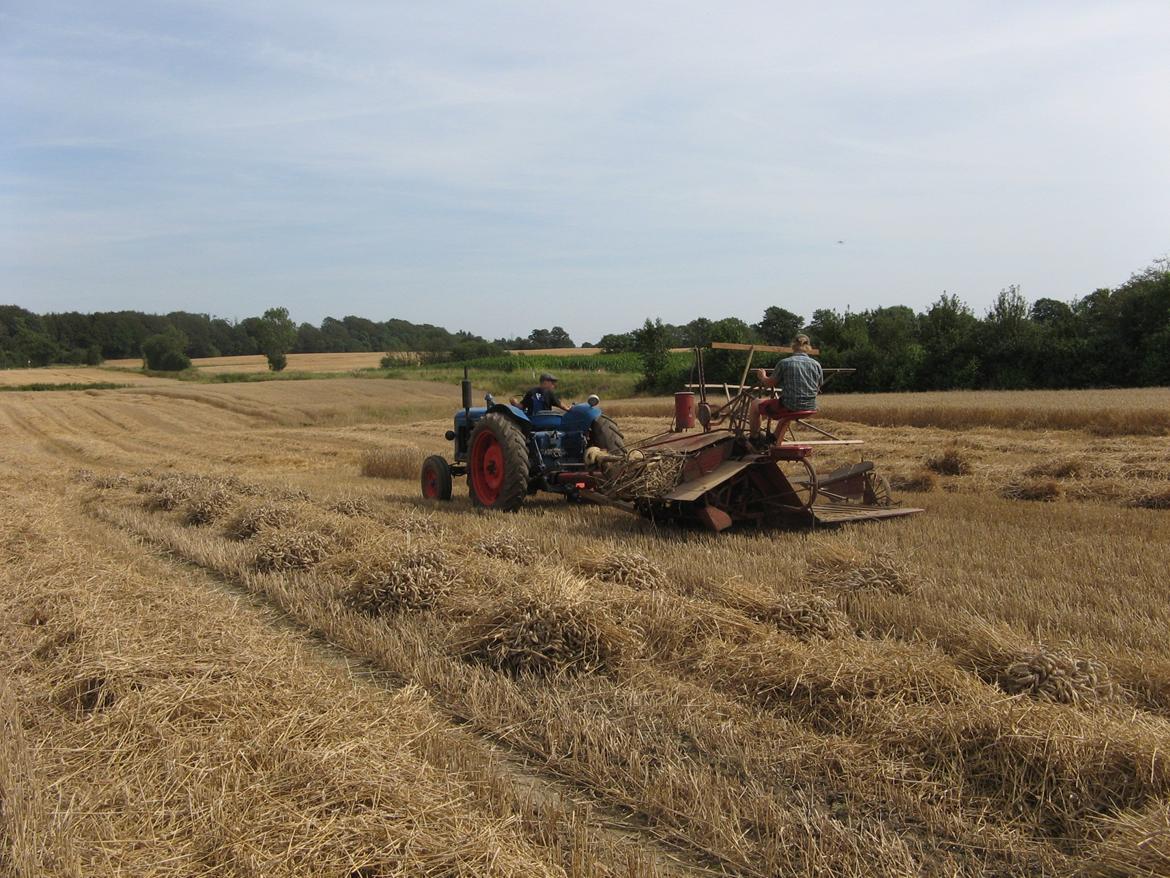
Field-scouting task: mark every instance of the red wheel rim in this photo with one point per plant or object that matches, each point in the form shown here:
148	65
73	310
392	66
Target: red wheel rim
487	467
430	482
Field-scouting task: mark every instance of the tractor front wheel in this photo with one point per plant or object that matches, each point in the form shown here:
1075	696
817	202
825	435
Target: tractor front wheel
436	478
497	471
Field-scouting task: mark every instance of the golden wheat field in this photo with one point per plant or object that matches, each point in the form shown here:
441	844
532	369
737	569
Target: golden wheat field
346	362
226	651
76	375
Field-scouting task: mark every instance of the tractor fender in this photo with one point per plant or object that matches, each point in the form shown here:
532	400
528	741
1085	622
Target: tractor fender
514	413
580	418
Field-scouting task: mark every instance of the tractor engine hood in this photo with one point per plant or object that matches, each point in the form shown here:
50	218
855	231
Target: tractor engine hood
578	419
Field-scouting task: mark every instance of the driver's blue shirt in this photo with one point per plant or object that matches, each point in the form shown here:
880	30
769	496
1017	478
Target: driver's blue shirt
539	400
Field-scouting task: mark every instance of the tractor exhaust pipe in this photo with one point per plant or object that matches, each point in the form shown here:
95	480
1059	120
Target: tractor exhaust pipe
465	385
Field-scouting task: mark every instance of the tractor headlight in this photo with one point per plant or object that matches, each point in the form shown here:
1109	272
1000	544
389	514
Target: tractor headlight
593	400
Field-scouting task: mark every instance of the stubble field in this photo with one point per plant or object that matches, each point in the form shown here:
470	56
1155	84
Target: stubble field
258	363
228	652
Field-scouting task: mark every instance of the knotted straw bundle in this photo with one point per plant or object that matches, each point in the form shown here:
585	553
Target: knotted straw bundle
416	580
625	568
551	629
285	550
507	547
1056	675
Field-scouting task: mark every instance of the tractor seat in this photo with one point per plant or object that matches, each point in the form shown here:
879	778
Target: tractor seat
772	409
783	417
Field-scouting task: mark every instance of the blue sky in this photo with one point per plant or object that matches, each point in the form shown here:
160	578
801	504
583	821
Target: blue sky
500	166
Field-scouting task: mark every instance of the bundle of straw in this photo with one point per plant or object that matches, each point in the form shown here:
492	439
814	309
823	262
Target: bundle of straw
507	547
643	474
172	490
842	567
415	581
1055	675
626	568
414	522
951	462
1044	490
352	507
208	506
809	616
251	521
804	615
111	481
291	550
553	630
104	482
921	482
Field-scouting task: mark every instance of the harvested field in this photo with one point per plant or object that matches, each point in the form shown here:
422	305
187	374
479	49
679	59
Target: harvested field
79	375
258	363
1098	412
1137	412
228	652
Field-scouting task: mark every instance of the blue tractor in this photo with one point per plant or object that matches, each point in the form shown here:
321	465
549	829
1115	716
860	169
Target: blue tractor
508	453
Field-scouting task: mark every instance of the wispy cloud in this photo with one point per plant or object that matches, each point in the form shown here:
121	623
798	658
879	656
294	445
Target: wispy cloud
498	167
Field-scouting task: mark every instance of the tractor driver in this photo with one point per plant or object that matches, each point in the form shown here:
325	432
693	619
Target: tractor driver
542	397
799	378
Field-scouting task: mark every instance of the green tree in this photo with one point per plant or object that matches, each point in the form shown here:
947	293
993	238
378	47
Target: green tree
652	343
164	352
1156	363
697	333
36	349
951	346
1009	340
779	326
276	334
550	338
727	365
617	343
1050	312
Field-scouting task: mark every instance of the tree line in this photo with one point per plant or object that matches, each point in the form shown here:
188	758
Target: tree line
1111	337
28	339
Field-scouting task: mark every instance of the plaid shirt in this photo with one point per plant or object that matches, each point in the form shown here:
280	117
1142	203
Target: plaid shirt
799	379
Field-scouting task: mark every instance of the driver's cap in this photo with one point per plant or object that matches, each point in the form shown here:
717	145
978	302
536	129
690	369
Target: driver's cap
545	376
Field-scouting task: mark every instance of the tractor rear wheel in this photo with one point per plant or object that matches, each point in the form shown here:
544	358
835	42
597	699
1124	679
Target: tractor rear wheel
604	434
497	471
436	478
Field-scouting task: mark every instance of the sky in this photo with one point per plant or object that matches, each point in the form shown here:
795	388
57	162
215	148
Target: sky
501	166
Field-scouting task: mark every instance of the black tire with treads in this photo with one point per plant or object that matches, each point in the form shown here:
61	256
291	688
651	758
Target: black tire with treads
436	477
604	434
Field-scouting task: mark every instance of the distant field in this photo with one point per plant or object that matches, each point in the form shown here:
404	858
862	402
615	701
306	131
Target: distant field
70	375
1106	412
296	363
559	352
1136	411
579	352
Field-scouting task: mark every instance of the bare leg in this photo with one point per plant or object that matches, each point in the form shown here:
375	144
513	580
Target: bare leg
754	419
